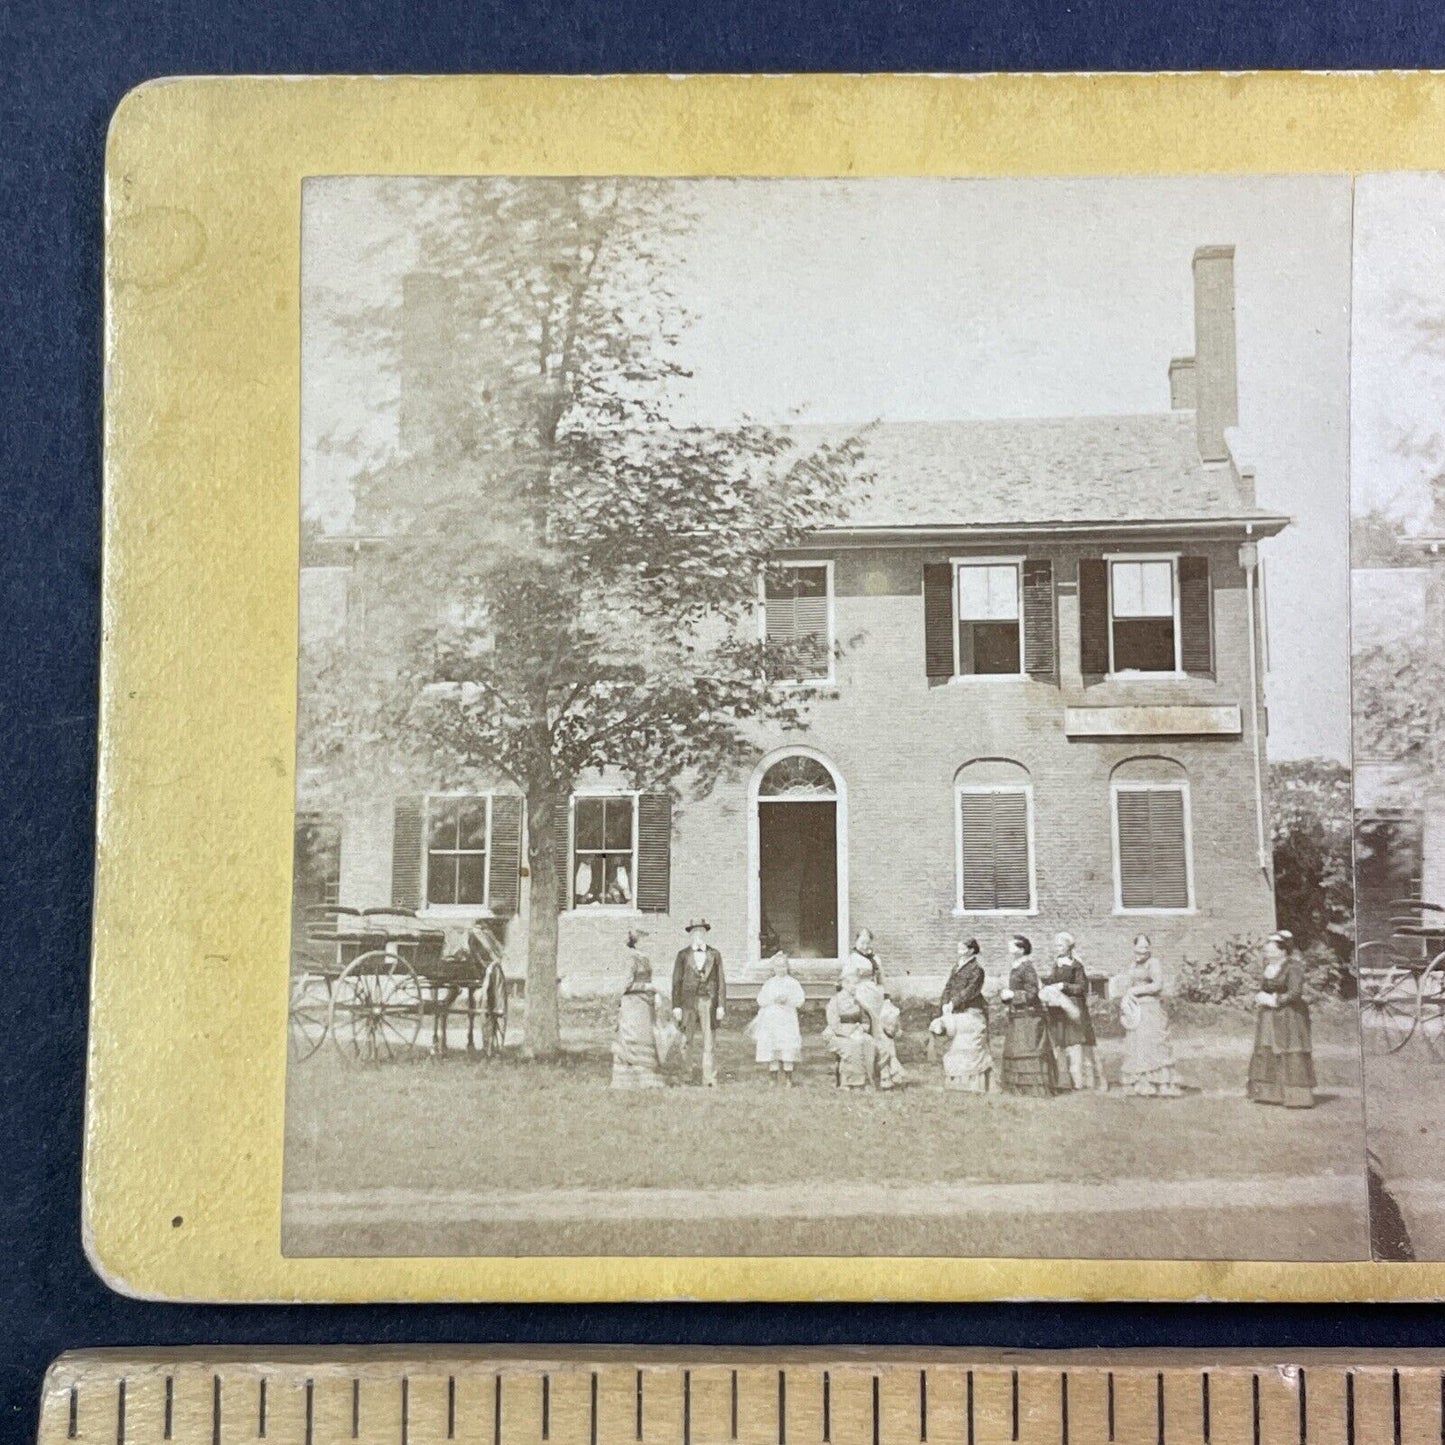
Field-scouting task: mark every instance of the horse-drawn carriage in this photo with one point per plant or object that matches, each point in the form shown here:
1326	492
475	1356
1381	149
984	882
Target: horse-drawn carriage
1402	981
369	978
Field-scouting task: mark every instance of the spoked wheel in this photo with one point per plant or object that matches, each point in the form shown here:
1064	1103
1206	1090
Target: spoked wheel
494	1026
377	1008
310	1019
1389	999
1432	1008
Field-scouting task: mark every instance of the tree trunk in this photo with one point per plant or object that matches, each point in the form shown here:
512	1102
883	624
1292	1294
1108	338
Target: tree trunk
542	1038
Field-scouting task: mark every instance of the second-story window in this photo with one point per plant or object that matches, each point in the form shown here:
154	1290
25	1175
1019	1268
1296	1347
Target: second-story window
1143	615
798	620
989	626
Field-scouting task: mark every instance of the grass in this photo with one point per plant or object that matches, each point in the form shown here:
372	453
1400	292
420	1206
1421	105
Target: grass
468	1125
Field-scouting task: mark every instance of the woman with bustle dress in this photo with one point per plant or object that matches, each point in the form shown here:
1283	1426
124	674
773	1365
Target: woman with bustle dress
1071	1029
1028	1057
1282	1069
635	1061
848	1033
967	1062
1148	1066
777	1038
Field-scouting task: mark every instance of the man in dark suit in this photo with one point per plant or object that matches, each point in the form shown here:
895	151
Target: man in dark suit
697	994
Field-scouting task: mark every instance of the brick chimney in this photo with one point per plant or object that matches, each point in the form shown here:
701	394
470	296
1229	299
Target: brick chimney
1216	391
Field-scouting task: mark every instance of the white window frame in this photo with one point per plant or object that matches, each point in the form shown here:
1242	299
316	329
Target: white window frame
959	909
1177	785
614	909
1173	559
826	564
1017	563
454	910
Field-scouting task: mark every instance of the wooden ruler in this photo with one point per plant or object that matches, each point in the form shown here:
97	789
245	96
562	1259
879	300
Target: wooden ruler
716	1397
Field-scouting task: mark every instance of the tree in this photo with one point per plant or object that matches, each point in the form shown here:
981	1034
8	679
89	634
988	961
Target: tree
1312	827
569	579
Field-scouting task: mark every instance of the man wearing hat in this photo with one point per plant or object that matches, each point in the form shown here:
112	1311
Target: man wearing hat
697	994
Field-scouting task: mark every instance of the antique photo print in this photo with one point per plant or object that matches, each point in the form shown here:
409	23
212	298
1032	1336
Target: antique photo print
824	720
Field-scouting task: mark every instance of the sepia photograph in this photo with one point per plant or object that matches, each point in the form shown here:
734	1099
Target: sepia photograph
1398	642
824	719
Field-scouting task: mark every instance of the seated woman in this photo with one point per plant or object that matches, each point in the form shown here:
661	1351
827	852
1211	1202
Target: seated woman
884	1017
967	1062
635	1064
848	1033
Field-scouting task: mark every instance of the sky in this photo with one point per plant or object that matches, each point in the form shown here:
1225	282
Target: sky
1398	438
853	301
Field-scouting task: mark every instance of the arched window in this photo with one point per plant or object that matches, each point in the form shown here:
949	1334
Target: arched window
994	837
1153	850
798	775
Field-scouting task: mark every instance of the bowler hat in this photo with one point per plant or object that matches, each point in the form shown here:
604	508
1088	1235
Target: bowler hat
700	923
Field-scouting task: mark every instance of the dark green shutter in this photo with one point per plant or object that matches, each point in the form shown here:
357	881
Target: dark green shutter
1040	643
938	621
996	872
504	860
1093	616
654	852
1196	641
406	846
1153	851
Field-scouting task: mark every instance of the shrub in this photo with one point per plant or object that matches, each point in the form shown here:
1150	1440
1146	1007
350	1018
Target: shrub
1230	974
1314	884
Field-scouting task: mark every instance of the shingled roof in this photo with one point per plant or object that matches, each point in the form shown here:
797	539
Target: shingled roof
1037	471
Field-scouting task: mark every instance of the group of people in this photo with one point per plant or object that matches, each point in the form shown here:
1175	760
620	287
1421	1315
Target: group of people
1049	1041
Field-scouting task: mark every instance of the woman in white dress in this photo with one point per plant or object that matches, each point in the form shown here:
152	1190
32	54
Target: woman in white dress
778	1039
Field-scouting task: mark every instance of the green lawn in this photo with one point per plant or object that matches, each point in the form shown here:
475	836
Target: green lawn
463	1125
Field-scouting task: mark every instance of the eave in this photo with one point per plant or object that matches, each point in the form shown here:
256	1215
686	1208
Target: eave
1226	528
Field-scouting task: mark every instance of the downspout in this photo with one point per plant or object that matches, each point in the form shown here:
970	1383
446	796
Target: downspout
1249	560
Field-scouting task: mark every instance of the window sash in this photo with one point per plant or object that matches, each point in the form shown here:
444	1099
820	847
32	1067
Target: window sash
1154	872
445	863
1137	599
988	592
995	849
798	613
605	854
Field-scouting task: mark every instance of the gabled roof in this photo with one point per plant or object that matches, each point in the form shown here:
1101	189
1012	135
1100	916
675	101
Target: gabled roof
1039	471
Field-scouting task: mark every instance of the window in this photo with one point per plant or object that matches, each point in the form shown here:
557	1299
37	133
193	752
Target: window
458	832
798	620
1152	848
994	820
988	619
1143	615
604	862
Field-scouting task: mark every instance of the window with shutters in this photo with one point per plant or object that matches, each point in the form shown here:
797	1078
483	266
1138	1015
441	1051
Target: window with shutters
989	632
1153	860
458	837
604	850
994	832
797	621
1144	614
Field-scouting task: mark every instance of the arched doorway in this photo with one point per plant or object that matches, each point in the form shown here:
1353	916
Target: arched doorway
798	858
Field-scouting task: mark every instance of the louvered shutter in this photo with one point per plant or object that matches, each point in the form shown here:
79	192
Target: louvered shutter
1093	617
504	861
995	828
798	621
1196	641
1153	856
938	621
406	846
654	852
1040	645
562	853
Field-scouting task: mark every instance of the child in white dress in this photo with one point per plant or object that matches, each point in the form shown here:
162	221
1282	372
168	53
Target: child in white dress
775	1029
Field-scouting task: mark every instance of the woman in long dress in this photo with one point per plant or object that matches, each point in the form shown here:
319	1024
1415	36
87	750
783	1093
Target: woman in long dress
635	1064
864	959
1282	1070
778	1039
848	1033
1148	1066
967	1062
1071	1029
1028	1058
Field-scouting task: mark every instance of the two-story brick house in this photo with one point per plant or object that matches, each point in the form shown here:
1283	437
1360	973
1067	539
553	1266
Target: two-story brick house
1039	705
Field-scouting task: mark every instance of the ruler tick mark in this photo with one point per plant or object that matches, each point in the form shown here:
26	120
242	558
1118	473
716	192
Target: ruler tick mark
497	1410
1159	1404
876	1410
1442	1407
120	1414
170	1405
1110	1397
1064	1408
1349	1407
968	1406
923	1406
1395	1401
451	1407
639	1405
75	1410
782	1408
1303	1409
1014	1399
261	1409
1254	1404
734	1425
310	1410
1204	1403
592	1425
546	1407
355	1408
687	1407
406	1410
215	1410
828	1408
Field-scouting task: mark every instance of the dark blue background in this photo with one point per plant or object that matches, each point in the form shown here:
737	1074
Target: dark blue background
63	67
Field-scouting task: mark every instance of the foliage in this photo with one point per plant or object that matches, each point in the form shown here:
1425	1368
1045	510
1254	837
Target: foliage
1311	829
569	582
1376	541
1398	688
1229	974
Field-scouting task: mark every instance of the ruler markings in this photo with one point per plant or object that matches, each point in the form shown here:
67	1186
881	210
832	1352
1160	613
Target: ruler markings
1110	1389
970	1409
1063	1407
120	1412
310	1409
923	1406
733	1428
828	1406
215	1410
1350	1408
1204	1404
497	1410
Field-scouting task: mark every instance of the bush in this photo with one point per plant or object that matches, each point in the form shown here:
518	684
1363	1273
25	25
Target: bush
1314	884
1230	974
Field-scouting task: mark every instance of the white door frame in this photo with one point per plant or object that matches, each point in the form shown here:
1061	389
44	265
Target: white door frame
840	829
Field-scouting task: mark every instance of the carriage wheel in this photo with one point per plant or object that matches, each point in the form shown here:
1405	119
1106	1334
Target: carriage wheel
377	1008
1389	999
1432	1008
310	1018
494	1029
